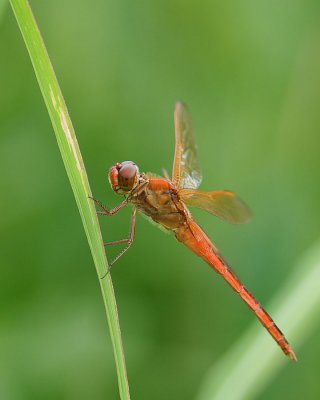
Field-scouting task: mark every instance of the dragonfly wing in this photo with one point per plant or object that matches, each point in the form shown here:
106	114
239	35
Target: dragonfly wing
186	169
223	204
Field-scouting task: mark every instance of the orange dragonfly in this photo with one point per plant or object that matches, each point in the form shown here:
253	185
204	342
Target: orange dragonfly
165	201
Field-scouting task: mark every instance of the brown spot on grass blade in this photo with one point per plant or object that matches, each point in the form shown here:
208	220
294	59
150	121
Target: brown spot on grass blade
69	137
53	99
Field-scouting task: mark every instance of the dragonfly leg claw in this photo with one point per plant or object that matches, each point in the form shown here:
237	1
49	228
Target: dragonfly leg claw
107	273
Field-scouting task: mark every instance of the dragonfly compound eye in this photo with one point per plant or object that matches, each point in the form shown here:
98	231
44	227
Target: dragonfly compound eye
123	177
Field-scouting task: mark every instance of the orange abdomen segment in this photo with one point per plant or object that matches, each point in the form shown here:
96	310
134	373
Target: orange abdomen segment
197	241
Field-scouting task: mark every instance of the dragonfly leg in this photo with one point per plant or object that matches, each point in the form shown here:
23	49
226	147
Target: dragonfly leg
129	242
111	212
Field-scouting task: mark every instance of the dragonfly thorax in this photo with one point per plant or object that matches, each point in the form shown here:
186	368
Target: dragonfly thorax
123	177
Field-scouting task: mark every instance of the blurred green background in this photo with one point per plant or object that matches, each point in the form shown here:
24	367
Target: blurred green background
249	72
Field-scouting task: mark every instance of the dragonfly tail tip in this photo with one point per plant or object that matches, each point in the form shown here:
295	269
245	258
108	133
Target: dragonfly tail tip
292	356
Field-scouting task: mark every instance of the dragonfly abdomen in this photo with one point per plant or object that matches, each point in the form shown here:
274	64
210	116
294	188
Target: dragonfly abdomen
196	240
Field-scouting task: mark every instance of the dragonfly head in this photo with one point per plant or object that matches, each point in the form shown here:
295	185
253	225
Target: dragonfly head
123	177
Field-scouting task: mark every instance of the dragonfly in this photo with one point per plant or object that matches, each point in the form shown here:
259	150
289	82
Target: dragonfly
165	201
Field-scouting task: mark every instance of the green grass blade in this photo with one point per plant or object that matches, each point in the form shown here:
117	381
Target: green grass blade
254	360
75	169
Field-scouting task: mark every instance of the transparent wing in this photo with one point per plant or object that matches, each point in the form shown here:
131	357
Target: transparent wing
223	204
186	169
